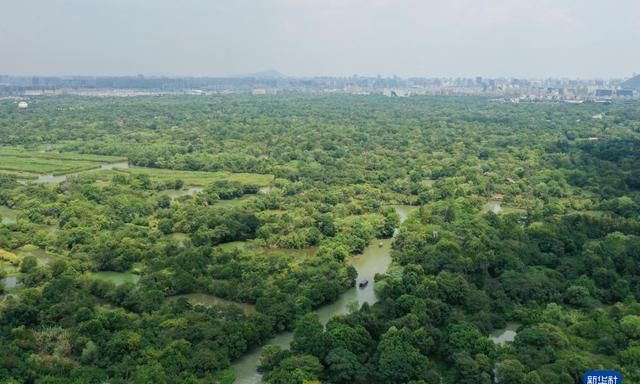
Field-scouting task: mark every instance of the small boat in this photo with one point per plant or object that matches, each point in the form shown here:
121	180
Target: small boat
363	283
381	244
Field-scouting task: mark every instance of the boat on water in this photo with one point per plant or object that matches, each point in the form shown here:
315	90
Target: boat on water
363	283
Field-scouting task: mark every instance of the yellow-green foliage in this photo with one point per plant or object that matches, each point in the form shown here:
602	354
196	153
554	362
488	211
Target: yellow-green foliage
198	177
10	257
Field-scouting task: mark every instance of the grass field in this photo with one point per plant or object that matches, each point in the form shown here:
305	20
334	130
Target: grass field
242	245
42	166
42	255
234	203
18	174
7	215
25	163
60	155
196	178
498	207
116	278
210	300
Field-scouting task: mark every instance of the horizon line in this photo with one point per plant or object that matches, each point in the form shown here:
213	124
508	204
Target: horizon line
281	76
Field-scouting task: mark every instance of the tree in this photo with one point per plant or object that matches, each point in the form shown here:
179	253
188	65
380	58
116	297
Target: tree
308	338
510	371
164	201
578	296
398	361
630	325
271	357
342	366
327	225
467	338
295	370
152	373
533	378
28	264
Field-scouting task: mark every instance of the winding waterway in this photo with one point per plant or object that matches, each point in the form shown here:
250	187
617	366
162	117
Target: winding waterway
375	259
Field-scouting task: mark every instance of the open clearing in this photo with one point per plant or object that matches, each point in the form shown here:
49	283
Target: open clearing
116	278
23	163
198	178
26	164
7	215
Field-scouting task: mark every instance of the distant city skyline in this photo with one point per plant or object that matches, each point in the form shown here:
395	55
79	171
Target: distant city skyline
285	76
304	38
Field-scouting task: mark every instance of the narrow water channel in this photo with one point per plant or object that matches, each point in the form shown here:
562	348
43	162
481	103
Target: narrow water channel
60	178
375	259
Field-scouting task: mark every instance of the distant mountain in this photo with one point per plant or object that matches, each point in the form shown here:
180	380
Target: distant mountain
269	74
633	83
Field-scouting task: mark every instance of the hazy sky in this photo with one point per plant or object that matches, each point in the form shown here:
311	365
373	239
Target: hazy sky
524	38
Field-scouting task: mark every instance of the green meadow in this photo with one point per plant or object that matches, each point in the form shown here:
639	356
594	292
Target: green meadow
22	163
198	178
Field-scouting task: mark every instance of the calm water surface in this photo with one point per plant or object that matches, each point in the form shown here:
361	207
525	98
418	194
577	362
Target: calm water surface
374	259
505	335
494	206
189	191
10	282
61	178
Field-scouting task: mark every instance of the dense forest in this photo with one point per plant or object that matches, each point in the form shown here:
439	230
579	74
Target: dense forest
527	216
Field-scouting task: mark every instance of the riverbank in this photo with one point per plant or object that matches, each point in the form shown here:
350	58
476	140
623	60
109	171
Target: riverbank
374	260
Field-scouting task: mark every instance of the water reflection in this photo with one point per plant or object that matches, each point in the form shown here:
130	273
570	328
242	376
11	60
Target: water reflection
11	282
373	260
175	193
505	335
60	178
494	206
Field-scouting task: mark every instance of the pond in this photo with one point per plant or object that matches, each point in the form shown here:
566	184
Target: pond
51	178
118	165
40	254
117	278
505	335
11	282
175	193
60	178
494	206
210	300
8	215
404	211
373	260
